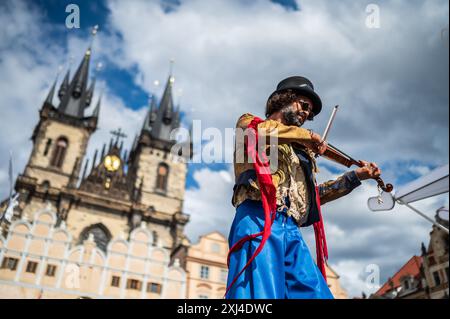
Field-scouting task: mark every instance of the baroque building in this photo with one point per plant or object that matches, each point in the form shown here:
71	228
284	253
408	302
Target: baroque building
425	276
41	260
407	283
206	268
435	261
334	283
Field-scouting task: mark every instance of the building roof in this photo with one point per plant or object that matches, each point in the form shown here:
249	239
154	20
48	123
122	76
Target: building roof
160	121
214	235
76	95
411	268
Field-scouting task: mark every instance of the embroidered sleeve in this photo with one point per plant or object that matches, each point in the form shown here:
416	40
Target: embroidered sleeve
342	186
284	133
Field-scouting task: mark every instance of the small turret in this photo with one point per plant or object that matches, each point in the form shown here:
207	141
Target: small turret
64	85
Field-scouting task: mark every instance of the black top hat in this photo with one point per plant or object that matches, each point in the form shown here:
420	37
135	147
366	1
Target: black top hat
303	86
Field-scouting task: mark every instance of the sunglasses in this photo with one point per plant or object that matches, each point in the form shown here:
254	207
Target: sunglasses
307	107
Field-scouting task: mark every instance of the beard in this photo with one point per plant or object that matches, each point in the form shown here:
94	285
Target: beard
292	117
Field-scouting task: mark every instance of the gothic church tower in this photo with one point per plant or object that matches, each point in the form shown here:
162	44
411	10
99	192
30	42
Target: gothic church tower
61	136
60	140
116	191
160	174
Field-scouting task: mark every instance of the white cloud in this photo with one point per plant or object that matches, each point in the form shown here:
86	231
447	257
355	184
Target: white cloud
419	169
24	81
209	206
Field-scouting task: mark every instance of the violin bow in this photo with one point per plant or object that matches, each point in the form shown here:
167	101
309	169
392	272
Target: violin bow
327	128
330	121
349	160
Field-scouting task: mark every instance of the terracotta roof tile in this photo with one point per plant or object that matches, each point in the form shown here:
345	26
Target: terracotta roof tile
412	267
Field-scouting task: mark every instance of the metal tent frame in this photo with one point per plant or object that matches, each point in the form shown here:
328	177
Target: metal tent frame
429	185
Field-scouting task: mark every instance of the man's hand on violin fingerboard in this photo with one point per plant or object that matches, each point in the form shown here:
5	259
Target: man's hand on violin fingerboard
368	171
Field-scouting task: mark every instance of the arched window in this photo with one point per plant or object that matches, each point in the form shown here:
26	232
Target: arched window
101	234
59	153
161	178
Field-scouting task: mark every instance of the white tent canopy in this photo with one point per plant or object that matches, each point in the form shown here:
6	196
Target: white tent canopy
432	184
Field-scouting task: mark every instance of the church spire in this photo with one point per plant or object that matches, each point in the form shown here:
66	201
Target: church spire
151	115
94	161
166	105
51	93
96	111
159	121
97	108
80	78
86	164
65	84
74	101
90	91
176	120
103	151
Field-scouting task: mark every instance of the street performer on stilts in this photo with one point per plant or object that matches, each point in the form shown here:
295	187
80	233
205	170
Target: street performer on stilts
268	257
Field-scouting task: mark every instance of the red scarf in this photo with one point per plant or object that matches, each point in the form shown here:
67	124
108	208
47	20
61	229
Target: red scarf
269	202
321	240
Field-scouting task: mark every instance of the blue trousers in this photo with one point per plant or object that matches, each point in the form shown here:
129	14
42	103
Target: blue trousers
283	269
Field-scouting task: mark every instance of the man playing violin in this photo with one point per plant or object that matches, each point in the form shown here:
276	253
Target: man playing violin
283	268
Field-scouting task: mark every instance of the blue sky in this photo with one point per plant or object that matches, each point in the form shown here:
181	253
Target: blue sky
391	84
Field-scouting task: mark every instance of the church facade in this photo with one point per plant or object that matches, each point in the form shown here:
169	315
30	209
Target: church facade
113	220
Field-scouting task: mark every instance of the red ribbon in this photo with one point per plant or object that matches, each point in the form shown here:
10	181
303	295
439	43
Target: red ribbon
321	240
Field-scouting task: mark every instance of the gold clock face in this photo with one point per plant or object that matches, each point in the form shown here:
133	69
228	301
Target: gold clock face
112	163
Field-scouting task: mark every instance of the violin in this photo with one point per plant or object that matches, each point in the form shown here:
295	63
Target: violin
334	154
